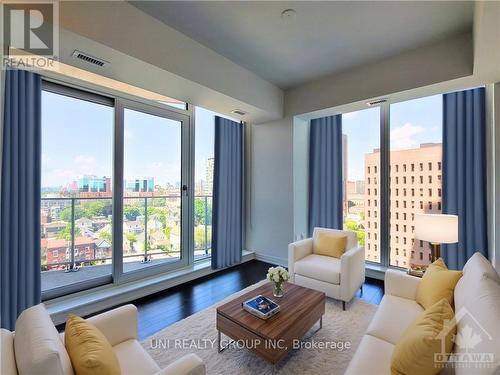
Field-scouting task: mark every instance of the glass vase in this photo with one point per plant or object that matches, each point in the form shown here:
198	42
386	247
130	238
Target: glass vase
278	290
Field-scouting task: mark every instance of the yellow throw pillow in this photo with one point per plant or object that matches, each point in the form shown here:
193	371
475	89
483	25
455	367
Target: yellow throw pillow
437	283
89	351
429	335
330	244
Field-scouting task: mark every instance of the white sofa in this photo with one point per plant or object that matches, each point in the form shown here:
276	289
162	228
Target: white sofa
37	348
337	278
477	300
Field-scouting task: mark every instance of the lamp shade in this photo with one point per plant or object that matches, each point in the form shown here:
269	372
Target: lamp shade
436	228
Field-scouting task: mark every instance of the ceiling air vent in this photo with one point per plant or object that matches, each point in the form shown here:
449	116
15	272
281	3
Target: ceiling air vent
89	58
238	112
375	102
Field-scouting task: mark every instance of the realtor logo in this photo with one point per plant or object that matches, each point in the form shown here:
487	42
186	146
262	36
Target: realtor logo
31	28
472	342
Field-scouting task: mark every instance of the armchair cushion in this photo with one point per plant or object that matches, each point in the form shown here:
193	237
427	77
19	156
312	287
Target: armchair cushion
330	244
88	349
37	345
117	325
319	267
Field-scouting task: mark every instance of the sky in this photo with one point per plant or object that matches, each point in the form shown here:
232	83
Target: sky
411	123
77	139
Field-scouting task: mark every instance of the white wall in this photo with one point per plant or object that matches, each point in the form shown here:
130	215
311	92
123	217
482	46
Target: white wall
270	215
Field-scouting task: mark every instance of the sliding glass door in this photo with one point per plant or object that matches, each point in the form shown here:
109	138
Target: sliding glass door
154	190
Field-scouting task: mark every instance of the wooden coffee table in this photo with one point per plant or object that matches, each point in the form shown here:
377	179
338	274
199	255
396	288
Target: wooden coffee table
272	339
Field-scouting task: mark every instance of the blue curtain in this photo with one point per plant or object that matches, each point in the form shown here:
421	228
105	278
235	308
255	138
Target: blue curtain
464	173
20	196
325	173
227	214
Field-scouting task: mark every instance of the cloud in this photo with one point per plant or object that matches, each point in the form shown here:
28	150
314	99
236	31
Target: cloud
84	159
402	137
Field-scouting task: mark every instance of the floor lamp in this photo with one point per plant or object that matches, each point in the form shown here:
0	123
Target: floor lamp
437	229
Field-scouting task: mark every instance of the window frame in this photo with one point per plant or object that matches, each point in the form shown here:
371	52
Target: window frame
119	102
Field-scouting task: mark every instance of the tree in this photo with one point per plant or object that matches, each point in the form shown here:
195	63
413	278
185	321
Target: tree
98	208
355	227
131	212
65	214
103	235
131	238
65	234
168	232
199	212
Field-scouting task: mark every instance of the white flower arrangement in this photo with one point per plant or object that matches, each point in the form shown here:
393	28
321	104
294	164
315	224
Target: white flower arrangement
277	275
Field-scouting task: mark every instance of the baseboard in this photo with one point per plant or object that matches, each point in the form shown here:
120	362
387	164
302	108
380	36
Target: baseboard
271	259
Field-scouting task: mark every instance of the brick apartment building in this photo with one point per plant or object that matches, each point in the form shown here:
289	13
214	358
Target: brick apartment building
57	250
415	187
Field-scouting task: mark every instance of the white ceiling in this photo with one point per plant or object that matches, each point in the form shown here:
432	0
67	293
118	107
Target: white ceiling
324	38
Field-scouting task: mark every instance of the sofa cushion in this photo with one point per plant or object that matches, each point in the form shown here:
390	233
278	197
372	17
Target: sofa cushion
88	349
319	267
426	337
438	283
38	347
7	359
473	271
478	322
330	244
134	359
373	356
393	317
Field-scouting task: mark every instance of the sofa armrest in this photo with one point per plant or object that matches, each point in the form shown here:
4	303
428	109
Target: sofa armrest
400	284
117	325
296	251
190	364
352	272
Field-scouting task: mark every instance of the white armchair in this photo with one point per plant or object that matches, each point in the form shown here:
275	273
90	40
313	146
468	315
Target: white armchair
36	347
337	278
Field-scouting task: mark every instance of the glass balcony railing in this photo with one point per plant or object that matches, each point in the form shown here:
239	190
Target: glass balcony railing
76	235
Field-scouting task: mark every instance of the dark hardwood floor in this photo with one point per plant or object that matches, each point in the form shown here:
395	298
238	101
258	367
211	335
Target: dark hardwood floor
162	309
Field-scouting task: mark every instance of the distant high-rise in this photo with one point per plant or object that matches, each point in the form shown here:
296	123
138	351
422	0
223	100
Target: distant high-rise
209	176
140	184
93	184
415	187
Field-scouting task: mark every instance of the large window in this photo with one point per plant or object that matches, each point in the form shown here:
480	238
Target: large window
118	189
416	134
388	181
361	170
76	205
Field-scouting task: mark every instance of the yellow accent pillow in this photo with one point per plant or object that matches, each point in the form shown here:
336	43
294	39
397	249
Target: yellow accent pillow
430	334
89	351
330	244
437	283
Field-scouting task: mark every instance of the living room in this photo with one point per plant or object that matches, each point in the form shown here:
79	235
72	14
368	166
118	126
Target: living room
250	187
